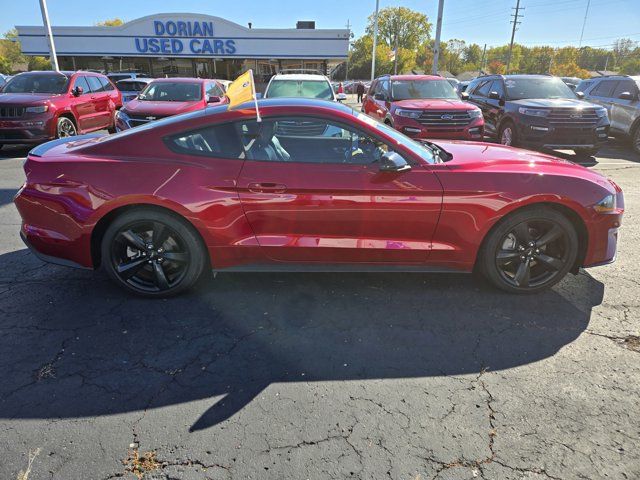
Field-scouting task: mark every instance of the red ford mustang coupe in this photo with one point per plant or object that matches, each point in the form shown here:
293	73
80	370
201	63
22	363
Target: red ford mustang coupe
313	186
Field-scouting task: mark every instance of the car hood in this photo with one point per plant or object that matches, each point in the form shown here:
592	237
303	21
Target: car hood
551	103
161	109
26	98
473	156
433	104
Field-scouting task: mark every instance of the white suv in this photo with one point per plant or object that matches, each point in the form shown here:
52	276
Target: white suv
304	85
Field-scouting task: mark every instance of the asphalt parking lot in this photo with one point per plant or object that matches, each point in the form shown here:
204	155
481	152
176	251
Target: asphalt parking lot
318	376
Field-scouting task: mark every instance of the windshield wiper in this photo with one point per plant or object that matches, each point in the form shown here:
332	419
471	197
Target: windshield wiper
438	151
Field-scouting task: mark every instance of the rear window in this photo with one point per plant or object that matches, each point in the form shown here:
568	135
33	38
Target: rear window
37	83
300	88
116	78
130	86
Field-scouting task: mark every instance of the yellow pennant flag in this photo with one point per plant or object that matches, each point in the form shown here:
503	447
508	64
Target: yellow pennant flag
243	90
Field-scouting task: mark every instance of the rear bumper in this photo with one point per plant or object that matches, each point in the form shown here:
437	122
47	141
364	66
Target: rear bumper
48	258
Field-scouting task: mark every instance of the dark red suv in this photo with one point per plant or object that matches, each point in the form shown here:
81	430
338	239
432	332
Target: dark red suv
423	106
40	106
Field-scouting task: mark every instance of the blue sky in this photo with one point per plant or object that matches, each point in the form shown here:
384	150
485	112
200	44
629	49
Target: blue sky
551	22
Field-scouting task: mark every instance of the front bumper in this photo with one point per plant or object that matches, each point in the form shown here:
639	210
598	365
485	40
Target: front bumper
27	130
474	130
541	135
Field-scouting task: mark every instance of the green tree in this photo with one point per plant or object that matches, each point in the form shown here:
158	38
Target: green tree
5	65
39	63
631	66
411	28
113	22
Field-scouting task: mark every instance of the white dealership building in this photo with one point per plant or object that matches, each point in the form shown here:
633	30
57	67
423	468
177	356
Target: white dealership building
188	44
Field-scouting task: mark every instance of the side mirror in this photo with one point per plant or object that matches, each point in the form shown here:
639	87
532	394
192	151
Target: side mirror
580	95
626	96
494	95
393	162
380	96
213	99
464	95
77	91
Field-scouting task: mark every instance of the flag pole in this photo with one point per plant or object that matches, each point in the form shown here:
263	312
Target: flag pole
255	99
47	28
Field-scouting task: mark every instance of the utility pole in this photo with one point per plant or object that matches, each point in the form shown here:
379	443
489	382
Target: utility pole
375	42
513	32
436	49
395	55
586	13
346	75
47	27
484	56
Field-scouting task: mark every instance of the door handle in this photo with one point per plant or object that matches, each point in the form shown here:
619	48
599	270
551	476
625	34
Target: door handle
267	187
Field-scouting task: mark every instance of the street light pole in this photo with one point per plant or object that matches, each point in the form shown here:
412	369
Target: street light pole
375	42
47	27
436	49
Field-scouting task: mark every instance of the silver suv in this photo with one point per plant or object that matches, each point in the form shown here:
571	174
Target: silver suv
620	95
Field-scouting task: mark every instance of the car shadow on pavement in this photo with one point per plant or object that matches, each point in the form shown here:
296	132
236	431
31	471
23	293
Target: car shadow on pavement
6	195
73	345
14	151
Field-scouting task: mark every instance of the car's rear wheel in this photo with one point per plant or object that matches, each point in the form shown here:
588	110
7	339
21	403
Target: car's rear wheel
65	128
152	253
508	135
586	152
112	128
529	251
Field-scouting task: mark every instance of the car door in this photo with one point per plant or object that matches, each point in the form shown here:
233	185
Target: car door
82	107
312	191
368	103
493	107
480	97
624	110
100	98
602	94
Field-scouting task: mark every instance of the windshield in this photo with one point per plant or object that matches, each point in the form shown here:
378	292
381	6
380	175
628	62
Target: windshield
37	83
300	88
407	89
172	92
521	88
418	148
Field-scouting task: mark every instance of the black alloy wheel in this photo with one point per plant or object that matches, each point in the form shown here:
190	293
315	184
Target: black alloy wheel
152	253
531	251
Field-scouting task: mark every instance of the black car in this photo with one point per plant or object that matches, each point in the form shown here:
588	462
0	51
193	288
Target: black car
538	111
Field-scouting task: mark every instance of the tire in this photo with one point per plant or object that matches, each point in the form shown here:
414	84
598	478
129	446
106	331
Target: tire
529	250
171	266
112	128
635	140
512	137
586	152
65	128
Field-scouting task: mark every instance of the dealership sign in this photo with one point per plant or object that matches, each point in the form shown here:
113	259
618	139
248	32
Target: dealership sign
175	36
186	35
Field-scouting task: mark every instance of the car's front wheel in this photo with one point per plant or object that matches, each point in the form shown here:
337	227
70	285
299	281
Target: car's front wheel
507	135
152	253
65	128
636	140
529	251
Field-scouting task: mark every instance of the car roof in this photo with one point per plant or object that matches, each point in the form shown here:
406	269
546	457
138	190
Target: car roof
183	80
137	79
412	77
299	76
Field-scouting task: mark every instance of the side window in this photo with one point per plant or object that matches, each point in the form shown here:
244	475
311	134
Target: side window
605	88
583	86
106	84
483	89
221	141
497	86
384	87
82	82
308	140
373	87
95	85
624	86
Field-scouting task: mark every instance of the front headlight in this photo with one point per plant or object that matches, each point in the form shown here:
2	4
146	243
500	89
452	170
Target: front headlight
606	205
408	113
477	113
602	113
38	109
534	112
